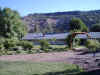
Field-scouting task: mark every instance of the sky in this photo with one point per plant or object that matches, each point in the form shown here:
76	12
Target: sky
25	7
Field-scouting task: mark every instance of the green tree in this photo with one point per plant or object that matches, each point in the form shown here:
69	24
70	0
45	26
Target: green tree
77	24
11	24
95	28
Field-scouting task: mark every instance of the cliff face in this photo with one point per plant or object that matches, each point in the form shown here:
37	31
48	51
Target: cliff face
59	21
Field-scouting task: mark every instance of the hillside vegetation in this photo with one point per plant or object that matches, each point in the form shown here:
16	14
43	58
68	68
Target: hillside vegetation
59	21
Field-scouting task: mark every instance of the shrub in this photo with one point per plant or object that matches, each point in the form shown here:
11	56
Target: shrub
30	51
18	51
16	48
9	43
76	42
44	45
1	43
10	53
93	45
1	46
26	45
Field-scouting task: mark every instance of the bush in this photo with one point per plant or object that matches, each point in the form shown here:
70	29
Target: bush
1	46
10	52
30	51
18	51
26	45
1	49
9	43
1	43
76	42
44	45
14	44
16	48
93	45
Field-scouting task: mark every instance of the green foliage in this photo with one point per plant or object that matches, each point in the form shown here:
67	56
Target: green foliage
60	20
92	44
1	43
30	51
95	28
11	24
1	46
44	44
68	40
76	42
13	44
9	43
26	45
54	39
18	51
77	24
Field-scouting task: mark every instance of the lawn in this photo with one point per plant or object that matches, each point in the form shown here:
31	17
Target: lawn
54	46
31	68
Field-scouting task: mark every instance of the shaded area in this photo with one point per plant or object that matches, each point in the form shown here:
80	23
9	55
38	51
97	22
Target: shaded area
94	72
72	72
66	72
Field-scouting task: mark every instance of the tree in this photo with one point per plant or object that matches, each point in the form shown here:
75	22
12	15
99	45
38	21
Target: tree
71	38
11	24
77	24
76	27
95	28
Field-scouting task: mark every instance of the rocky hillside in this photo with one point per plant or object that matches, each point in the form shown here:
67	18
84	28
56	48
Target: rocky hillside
59	21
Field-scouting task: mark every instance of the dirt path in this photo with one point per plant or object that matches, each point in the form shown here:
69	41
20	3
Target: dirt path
83	60
40	57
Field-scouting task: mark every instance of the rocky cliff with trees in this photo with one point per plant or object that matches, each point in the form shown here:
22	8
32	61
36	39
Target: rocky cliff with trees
59	22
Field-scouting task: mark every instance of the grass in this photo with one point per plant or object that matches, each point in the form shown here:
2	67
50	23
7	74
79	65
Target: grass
43	68
58	46
80	46
54	46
